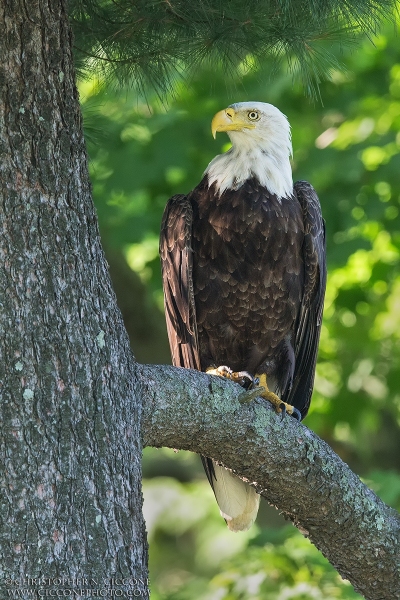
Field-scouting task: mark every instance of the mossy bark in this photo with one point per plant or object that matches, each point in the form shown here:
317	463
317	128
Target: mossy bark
287	463
70	412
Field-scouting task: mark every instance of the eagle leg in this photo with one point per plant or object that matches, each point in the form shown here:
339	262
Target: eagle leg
279	405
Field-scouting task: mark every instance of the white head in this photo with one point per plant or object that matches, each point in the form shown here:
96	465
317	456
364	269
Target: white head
261	147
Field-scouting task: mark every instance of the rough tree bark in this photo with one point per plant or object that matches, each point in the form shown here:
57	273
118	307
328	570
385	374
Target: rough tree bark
71	391
288	464
71	482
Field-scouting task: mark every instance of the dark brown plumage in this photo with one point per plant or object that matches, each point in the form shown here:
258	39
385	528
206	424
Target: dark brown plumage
244	279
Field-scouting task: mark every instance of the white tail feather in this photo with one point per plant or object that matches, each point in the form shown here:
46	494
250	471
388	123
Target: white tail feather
238	502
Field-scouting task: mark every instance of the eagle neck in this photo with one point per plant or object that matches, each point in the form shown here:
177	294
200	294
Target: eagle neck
268	163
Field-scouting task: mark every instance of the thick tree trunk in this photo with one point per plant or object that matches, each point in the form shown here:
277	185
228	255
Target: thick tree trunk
287	463
71	496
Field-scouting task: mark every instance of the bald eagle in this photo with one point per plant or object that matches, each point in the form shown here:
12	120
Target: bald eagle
243	264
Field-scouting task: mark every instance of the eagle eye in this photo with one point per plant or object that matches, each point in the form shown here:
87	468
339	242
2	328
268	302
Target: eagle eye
253	115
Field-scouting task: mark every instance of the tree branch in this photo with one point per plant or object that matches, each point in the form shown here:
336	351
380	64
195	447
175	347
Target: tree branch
288	464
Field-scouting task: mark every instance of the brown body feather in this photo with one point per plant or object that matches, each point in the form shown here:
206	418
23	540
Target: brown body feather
248	277
244	279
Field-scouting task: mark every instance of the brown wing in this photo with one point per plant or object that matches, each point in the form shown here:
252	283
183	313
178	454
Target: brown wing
176	262
308	326
180	313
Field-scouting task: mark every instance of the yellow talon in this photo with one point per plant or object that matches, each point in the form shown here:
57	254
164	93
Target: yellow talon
252	392
220	372
243	378
277	403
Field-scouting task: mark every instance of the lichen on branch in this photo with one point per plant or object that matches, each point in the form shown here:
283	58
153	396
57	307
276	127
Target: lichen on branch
288	464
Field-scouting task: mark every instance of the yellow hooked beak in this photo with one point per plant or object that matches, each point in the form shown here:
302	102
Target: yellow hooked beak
228	120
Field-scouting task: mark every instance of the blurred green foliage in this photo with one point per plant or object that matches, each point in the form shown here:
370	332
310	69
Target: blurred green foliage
349	148
194	555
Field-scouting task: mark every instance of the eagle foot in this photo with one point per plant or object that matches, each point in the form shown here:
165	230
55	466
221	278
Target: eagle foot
222	371
290	410
280	407
243	378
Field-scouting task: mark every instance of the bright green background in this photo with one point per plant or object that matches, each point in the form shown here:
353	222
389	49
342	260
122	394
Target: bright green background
142	152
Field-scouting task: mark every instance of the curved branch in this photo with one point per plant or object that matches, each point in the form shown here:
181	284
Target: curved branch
288	464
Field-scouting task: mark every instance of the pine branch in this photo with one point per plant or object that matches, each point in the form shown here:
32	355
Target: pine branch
145	43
